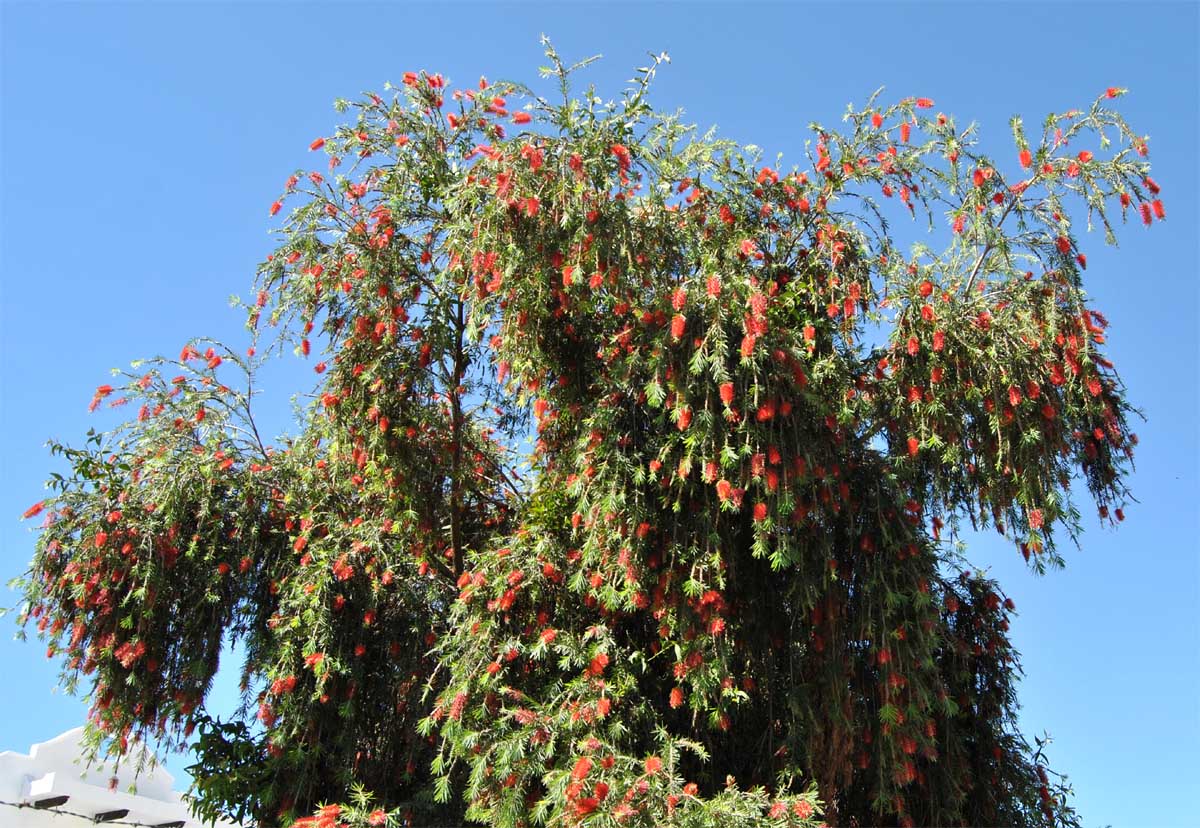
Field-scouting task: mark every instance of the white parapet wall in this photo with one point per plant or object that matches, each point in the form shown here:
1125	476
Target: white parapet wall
50	787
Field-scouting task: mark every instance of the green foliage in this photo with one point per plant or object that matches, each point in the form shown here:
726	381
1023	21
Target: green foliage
715	591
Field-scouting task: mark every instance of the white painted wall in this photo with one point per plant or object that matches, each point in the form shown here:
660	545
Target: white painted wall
54	769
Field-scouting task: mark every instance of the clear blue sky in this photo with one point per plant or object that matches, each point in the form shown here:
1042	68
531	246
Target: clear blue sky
143	143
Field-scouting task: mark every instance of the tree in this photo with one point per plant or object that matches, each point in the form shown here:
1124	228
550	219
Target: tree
717	589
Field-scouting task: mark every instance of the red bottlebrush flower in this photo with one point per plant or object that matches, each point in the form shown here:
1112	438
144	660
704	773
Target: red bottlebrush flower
924	103
935	376
377	817
317	144
1064	244
748	247
1151	185
1160	212
747	348
678	298
1145	209
960	221
1085	157
599	663
548	635
534	156
676	699
653	765
977	178
1082	259
685	418
914	446
34	510
724	490
760	512
223	569
713	286
802	809
1014	396
100	539
582	768
925	288
299	544
1026	158
678	326
914	345
876	120
521	118
727	393
1035	519
276	207
1112	91
905	130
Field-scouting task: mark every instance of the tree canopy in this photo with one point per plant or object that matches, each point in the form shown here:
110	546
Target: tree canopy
626	489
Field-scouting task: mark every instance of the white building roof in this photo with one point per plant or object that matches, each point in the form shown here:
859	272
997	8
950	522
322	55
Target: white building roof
51	786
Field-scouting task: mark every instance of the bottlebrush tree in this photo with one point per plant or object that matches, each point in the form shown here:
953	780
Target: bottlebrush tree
626	491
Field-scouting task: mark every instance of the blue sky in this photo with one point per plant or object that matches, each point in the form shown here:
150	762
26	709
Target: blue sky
142	144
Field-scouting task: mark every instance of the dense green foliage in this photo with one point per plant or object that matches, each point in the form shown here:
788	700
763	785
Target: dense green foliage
716	590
